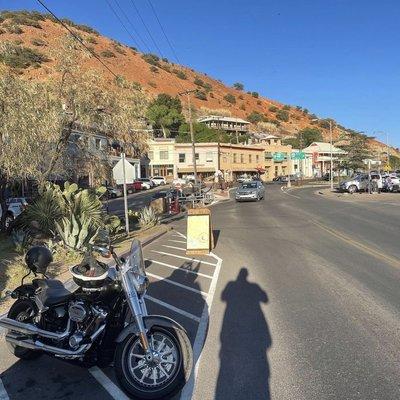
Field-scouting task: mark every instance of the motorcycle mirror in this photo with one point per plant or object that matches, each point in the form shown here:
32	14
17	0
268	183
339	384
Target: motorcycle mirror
102	250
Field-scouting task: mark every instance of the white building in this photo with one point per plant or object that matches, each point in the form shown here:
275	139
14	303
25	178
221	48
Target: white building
228	124
304	167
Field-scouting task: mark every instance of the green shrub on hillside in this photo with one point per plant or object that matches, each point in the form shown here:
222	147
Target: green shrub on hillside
38	42
255	94
151	59
255	117
273	109
200	94
238	86
180	74
197	81
154	69
20	57
14	29
230	98
165	60
286	107
282	115
207	87
107	54
91	39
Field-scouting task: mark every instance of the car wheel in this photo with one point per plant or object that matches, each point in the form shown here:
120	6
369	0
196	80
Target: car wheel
352	189
113	195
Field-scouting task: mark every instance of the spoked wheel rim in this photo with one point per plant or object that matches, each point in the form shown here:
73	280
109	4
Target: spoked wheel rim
156	372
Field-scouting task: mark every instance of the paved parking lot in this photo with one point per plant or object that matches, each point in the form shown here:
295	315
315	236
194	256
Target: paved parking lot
182	288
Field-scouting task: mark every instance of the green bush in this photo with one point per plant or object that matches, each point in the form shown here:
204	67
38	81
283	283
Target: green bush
154	69
282	115
134	49
255	94
273	109
136	86
200	94
165	60
181	75
152	59
83	28
286	107
20	57
197	81
107	54
91	39
255	117
38	42
207	87
305	111
119	49
148	218
238	86
230	98
14	29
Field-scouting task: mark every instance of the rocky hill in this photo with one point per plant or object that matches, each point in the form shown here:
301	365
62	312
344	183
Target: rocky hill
31	37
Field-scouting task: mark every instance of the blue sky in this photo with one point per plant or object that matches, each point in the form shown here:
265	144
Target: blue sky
337	58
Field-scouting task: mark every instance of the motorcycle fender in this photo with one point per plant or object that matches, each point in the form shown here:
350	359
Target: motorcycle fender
149	321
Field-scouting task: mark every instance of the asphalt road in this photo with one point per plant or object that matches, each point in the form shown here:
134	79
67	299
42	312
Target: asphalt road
307	304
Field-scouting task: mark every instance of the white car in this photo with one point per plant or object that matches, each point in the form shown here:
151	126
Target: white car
158	180
15	206
146	183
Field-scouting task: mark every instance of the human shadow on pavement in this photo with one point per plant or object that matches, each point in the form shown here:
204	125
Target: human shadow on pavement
245	339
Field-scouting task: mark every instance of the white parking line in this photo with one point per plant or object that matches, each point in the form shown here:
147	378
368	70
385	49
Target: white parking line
160	278
176	241
114	391
173	247
179	268
184	258
173	308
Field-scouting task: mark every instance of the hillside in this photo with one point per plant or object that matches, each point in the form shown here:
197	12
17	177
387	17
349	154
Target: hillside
36	35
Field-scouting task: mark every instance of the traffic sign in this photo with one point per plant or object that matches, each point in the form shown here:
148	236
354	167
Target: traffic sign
118	172
278	156
298	155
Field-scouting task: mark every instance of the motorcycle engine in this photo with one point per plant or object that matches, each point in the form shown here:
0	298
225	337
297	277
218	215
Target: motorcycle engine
87	318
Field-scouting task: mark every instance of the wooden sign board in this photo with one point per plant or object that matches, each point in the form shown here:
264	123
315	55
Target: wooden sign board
200	238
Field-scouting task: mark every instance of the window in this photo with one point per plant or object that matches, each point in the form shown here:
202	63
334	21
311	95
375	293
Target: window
209	156
197	156
257	158
235	158
242	158
164	155
268	155
182	157
249	158
150	154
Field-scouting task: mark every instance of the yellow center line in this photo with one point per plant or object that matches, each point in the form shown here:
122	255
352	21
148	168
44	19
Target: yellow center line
378	254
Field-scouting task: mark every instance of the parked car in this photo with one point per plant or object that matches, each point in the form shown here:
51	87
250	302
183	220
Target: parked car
360	183
114	192
146	183
253	190
243	178
15	206
159	180
131	187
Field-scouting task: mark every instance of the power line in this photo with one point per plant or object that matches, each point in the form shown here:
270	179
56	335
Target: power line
147	29
164	33
133	27
121	22
76	37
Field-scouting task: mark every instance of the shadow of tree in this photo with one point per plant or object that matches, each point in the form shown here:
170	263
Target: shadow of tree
245	339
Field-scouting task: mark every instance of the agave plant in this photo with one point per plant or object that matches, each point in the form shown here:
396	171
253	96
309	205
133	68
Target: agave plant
21	239
148	218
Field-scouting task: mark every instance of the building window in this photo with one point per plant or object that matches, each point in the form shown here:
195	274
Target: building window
249	158
209	156
197	156
182	157
164	155
241	158
235	158
257	158
150	154
268	155
97	144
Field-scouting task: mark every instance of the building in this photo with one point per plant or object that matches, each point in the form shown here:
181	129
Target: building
276	157
304	167
228	124
162	157
321	156
206	159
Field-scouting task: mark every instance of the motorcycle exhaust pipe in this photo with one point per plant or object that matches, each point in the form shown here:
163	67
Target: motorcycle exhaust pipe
38	345
29	329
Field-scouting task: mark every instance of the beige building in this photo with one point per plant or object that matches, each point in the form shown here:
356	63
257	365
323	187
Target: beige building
275	166
162	157
228	124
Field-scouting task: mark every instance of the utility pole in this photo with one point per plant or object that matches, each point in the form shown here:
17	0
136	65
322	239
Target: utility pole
187	92
125	194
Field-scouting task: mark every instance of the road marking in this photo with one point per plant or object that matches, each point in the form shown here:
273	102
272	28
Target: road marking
160	278
3	392
179	268
184	258
173	308
187	391
289	194
390	260
114	391
173	247
176	241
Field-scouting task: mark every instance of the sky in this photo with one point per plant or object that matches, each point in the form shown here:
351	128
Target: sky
338	58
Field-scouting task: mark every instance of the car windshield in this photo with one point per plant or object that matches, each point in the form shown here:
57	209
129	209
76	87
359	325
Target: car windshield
251	185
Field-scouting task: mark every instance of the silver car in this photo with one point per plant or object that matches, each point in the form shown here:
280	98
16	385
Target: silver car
247	191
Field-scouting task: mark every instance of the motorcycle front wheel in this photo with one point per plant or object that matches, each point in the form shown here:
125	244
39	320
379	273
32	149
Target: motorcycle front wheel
164	375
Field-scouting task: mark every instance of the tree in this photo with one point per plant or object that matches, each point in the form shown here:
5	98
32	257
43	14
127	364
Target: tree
255	117
202	134
282	115
238	86
305	137
165	112
230	98
357	150
255	94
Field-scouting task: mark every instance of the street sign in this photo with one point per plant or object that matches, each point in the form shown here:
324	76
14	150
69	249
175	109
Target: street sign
118	173
278	156
298	155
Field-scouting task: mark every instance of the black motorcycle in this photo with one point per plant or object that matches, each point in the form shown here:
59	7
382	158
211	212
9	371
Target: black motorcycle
103	321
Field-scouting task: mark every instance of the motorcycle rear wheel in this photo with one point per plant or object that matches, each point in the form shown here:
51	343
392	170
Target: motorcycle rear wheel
23	310
162	379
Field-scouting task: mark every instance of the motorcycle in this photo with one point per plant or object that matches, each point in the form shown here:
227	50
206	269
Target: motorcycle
103	321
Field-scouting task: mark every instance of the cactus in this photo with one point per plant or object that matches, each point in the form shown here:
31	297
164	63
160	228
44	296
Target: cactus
148	218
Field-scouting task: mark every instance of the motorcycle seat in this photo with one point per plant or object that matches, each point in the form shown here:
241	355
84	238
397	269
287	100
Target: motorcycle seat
51	291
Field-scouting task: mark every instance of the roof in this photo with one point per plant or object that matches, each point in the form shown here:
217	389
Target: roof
322	147
210	118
